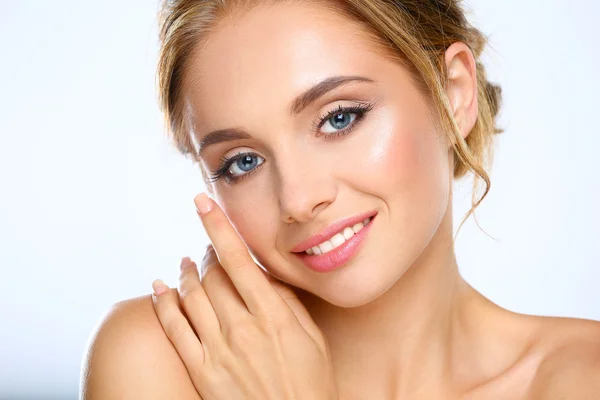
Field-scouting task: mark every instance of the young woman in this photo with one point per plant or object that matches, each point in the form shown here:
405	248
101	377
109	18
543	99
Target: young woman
329	134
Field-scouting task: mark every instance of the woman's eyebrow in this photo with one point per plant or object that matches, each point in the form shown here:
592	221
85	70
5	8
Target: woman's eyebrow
300	103
222	135
320	89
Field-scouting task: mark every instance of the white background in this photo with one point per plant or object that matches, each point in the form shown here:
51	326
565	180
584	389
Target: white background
95	203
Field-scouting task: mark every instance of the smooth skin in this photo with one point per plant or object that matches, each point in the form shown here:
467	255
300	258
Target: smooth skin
255	338
400	321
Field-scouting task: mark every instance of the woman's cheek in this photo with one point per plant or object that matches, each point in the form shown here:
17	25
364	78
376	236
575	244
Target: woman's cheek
255	227
394	154
404	167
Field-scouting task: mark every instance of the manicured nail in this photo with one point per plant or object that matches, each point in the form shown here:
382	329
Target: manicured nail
205	266
203	203
186	262
203	269
159	287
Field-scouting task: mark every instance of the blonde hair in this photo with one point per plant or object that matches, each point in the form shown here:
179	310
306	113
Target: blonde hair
414	32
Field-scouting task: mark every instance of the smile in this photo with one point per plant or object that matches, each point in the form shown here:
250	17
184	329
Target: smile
337	251
338	239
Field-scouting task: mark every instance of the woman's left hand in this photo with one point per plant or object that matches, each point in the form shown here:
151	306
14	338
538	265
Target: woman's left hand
248	335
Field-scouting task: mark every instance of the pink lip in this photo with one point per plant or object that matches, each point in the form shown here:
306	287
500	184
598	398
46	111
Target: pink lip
328	232
339	256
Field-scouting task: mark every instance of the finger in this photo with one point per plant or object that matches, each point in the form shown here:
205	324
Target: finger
196	304
176	326
301	313
204	264
234	257
227	303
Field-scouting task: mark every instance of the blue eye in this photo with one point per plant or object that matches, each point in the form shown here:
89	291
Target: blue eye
339	121
342	120
244	164
237	167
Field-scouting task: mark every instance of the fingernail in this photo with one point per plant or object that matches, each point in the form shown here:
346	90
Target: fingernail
186	262
203	203
159	287
204	266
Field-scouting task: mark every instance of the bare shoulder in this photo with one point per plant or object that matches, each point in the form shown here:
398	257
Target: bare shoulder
129	356
570	368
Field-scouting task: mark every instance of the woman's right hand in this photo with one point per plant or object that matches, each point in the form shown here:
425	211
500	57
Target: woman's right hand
255	339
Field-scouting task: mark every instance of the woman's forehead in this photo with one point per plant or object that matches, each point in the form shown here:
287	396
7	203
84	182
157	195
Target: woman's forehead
265	58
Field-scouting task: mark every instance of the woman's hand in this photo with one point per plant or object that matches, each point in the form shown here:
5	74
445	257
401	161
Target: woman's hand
255	339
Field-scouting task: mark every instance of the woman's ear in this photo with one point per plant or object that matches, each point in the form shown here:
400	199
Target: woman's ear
462	86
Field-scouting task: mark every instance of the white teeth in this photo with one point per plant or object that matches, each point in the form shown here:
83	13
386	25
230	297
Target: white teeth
326	247
348	233
338	239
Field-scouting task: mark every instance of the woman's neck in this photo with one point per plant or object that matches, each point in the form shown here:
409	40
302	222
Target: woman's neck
420	333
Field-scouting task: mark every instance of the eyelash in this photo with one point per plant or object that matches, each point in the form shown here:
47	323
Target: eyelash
360	110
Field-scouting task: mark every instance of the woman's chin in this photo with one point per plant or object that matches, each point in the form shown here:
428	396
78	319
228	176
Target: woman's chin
348	291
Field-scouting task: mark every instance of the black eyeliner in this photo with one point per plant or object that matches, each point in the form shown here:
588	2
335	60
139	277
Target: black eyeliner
360	110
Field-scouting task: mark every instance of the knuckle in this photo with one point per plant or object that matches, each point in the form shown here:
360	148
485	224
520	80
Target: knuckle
239	261
214	277
218	375
242	334
189	298
273	324
175	330
188	275
274	318
270	321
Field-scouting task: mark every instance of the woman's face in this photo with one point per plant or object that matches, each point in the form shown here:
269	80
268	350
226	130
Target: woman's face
313	163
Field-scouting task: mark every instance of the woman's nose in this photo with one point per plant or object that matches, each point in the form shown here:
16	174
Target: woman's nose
304	192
